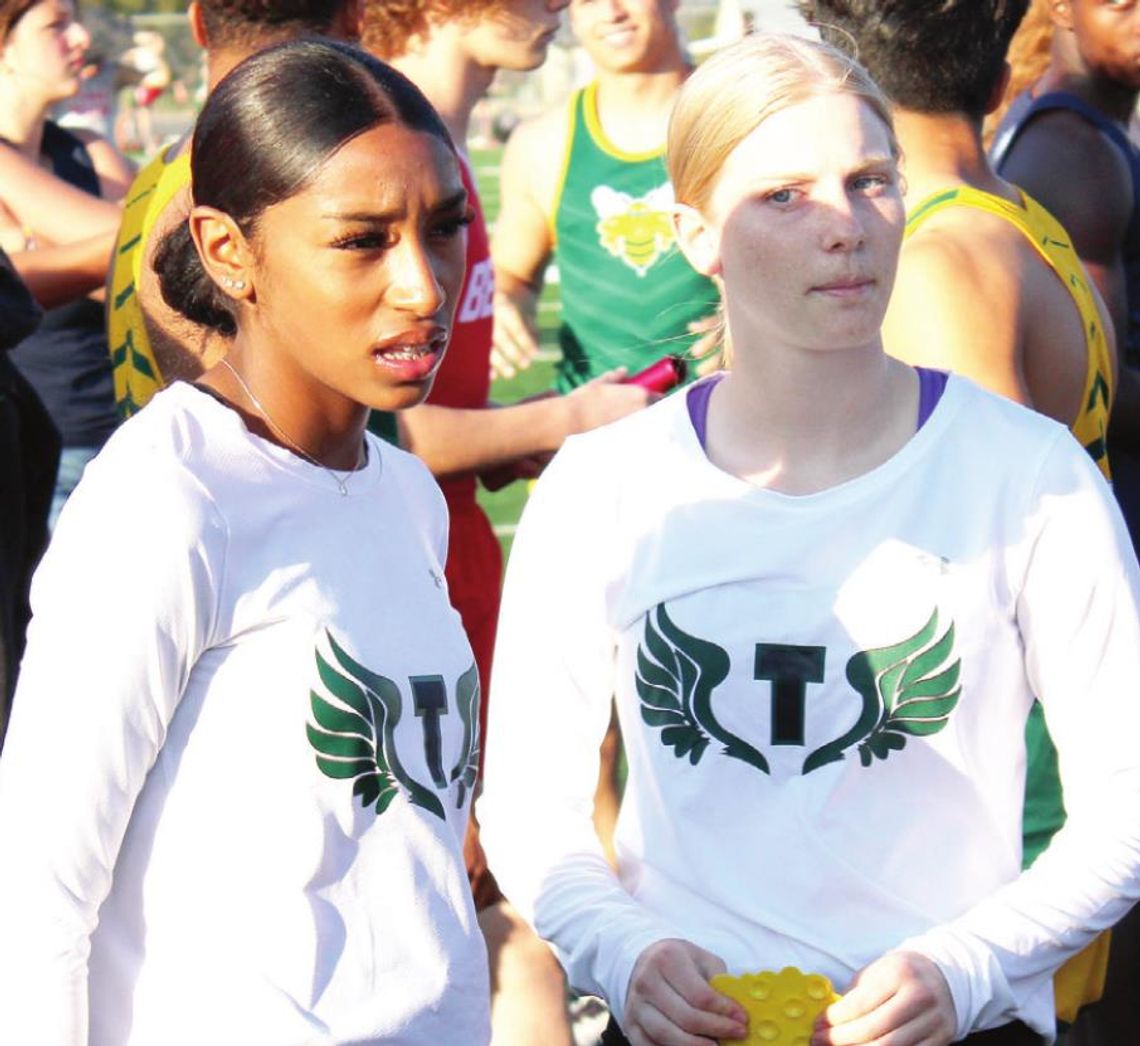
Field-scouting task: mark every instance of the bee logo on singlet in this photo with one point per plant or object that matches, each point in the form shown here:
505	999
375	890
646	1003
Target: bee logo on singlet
637	230
354	725
907	689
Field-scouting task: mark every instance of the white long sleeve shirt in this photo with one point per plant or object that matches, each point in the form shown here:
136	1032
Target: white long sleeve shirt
823	701
235	788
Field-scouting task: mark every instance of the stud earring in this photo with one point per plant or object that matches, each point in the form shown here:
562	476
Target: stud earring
234	285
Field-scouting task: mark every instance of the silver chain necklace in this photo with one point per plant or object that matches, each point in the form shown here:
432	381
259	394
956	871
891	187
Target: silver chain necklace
340	481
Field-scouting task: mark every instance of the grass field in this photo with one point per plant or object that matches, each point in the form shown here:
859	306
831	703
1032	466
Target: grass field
505	506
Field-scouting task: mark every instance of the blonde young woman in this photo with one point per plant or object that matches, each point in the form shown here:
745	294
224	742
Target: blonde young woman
825	589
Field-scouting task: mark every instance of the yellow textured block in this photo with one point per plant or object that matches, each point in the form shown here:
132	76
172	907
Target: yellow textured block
782	1007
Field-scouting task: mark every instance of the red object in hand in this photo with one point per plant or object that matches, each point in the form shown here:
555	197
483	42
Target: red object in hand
667	373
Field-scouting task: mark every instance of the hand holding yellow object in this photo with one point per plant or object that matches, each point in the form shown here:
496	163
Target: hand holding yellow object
782	1007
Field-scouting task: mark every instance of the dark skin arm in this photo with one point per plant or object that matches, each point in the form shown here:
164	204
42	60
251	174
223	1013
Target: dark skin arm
1080	177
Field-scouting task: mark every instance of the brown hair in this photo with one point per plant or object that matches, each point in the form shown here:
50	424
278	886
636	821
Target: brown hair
11	11
389	25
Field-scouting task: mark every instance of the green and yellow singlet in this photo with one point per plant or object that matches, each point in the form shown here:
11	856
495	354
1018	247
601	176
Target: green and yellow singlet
628	294
1081	979
136	371
1051	241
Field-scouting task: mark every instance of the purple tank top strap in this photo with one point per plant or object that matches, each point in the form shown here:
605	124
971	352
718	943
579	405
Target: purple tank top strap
697	400
931	385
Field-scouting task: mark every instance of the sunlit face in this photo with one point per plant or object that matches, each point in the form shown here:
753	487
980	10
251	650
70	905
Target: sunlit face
1108	37
355	279
516	35
805	225
625	35
44	52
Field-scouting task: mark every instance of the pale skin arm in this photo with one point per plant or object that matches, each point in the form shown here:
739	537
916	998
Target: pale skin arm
942	316
516	334
72	232
531	467
52	209
523	241
60	274
452	440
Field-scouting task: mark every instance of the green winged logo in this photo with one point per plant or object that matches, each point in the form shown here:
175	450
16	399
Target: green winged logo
466	768
353	733
676	676
908	690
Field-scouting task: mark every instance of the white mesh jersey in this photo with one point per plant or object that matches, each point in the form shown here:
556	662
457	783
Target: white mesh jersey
236	784
823	701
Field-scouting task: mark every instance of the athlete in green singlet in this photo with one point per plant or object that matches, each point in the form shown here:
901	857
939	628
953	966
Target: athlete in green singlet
586	184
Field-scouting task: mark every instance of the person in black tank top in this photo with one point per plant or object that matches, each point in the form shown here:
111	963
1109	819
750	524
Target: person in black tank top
29	456
66	361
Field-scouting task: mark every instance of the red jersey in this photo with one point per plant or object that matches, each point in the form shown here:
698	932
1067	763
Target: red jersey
474	559
464	378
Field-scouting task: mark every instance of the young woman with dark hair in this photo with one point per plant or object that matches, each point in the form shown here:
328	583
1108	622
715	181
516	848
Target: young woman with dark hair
249	826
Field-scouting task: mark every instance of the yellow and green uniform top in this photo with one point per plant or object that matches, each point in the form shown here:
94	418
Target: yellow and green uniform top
1055	247
136	370
628	294
1080	980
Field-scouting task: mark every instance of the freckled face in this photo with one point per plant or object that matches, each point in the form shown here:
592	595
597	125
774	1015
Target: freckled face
356	278
809	219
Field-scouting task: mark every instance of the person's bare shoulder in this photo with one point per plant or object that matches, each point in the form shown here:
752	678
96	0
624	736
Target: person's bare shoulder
529	183
956	303
1079	176
534	156
974	296
972	245
966	258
